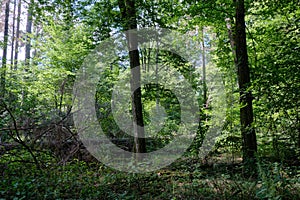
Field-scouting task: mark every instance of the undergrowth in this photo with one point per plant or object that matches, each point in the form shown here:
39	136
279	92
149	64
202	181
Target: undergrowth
184	179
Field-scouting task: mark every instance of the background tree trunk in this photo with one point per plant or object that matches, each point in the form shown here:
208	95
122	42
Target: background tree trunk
4	57
28	35
18	34
204	71
13	36
246	110
27	45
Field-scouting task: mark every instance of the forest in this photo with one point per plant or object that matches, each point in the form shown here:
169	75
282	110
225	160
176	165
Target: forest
140	99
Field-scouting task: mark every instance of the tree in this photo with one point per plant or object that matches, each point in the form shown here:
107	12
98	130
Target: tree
4	57
28	34
128	15
18	34
246	110
205	103
13	35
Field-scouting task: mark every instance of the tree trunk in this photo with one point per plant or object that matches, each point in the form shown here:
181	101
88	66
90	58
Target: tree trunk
13	36
27	45
28	35
298	128
204	71
128	13
246	110
17	34
4	57
157	100
231	38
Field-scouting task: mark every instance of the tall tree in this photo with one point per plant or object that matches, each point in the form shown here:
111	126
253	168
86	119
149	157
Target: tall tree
13	35
27	41
4	57
128	15
246	110
18	34
28	34
205	103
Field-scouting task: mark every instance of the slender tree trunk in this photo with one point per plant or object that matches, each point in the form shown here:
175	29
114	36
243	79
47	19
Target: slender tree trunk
157	100
4	57
298	128
18	34
204	71
231	38
28	35
27	45
246	110
36	32
13	36
128	13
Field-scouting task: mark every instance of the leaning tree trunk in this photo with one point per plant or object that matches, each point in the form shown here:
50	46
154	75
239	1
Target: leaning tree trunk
4	57
128	13
246	110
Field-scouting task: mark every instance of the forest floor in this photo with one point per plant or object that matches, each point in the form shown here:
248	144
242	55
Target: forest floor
187	178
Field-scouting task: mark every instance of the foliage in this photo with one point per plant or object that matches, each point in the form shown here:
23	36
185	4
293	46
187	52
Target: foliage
185	178
37	106
276	76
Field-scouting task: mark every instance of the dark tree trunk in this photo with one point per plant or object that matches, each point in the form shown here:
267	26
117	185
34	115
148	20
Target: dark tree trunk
128	13
4	56
298	128
17	34
246	110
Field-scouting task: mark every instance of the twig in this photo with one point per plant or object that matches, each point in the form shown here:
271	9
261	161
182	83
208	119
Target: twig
18	139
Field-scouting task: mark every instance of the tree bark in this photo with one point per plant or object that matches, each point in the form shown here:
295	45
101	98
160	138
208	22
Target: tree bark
28	35
246	110
128	14
13	36
27	45
17	34
231	38
4	56
204	71
298	128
